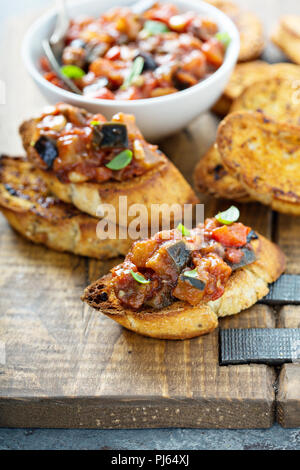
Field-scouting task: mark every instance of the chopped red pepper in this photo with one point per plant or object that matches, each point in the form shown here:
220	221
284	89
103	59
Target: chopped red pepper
113	53
162	12
214	52
231	235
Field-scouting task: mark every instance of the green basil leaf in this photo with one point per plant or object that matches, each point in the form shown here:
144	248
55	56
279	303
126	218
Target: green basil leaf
224	38
228	217
155	27
185	232
95	123
120	161
72	71
139	278
134	72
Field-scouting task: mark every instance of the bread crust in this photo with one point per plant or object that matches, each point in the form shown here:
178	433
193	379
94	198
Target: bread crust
287	37
264	156
249	26
180	320
211	177
248	73
274	97
31	211
162	184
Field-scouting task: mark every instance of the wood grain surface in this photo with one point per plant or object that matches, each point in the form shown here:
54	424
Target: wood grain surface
64	365
288	397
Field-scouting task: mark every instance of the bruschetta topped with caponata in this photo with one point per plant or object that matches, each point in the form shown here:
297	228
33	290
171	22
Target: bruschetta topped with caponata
218	268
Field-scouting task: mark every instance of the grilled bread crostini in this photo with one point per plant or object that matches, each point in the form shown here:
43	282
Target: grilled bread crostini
176	284
287	36
249	26
264	156
275	97
87	161
30	209
211	177
248	73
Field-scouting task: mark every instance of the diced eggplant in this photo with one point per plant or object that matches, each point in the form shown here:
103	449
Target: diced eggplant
195	282
161	299
111	135
47	150
248	258
179	254
251	236
149	62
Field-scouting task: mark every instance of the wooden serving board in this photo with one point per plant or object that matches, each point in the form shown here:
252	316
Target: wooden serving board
64	365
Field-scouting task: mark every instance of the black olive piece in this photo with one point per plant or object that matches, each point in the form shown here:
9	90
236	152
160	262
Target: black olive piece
78	43
11	190
251	236
248	258
149	62
197	283
179	254
47	150
111	135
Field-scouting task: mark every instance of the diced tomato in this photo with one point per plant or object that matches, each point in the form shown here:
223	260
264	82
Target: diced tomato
142	251
103	93
44	64
210	224
214	52
209	25
113	53
234	255
186	292
162	13
53	78
195	63
180	23
132	93
231	235
99	117
103	174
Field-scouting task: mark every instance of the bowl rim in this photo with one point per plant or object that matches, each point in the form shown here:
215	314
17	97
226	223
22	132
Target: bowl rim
230	60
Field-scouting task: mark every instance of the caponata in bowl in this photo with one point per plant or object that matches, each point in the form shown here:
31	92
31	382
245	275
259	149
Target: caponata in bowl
122	55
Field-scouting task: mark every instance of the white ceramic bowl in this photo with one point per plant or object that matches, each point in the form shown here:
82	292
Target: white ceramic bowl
157	117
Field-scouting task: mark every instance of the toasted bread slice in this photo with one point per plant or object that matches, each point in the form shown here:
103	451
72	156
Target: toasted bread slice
27	205
249	26
247	74
242	76
213	178
180	320
264	156
276	97
162	184
287	37
251	36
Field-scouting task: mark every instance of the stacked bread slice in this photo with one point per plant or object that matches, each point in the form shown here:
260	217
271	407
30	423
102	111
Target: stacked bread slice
54	195
256	154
